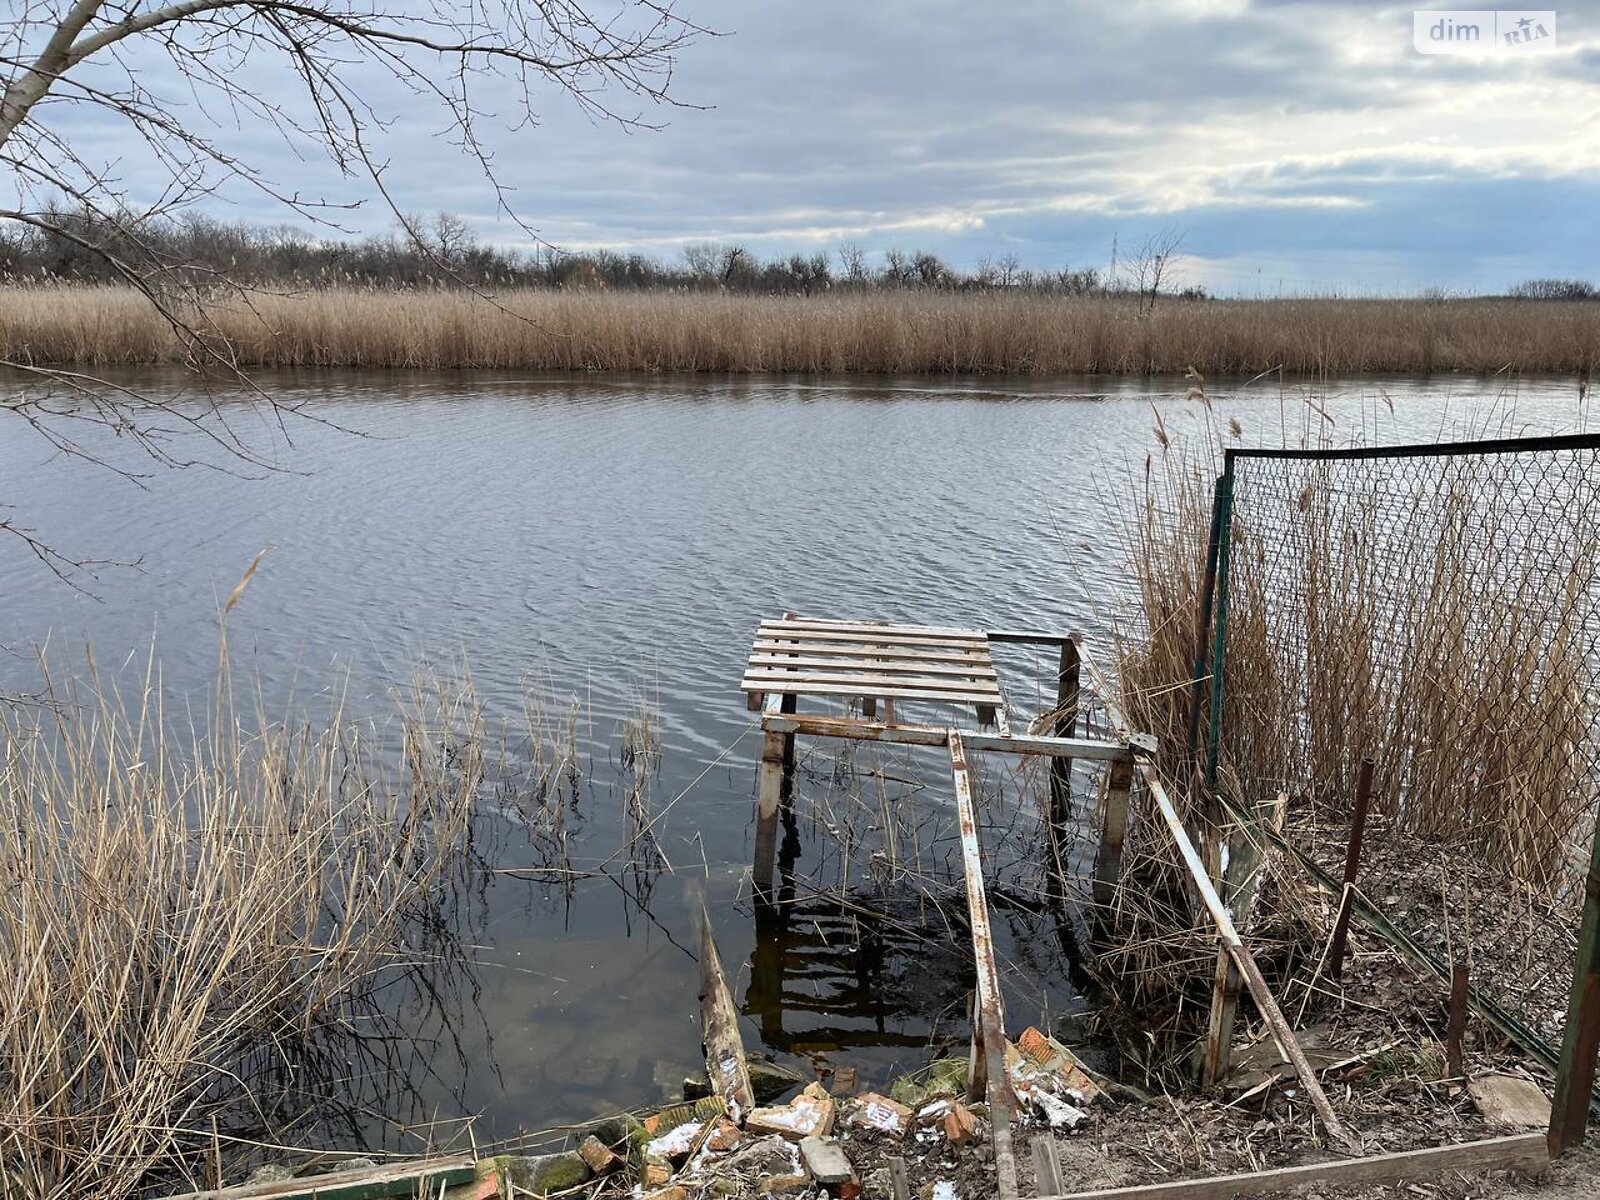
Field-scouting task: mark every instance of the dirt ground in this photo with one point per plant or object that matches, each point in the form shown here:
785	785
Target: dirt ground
1520	947
1090	1162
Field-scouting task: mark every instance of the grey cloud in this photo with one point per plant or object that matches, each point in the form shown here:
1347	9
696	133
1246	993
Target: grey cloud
1034	126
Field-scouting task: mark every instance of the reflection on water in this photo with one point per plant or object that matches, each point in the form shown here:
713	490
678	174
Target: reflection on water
592	538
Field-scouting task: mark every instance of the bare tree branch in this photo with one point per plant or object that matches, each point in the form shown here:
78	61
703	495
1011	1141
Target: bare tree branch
59	57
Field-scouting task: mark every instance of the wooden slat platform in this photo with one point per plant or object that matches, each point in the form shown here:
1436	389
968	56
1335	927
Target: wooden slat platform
803	657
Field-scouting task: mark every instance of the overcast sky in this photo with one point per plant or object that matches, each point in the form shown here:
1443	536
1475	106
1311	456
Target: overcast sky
1295	146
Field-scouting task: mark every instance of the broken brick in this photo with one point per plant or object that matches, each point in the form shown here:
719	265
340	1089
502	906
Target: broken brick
599	1156
960	1126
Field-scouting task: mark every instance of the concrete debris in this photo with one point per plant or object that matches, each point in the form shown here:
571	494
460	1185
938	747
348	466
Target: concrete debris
824	1160
879	1113
616	1132
770	1081
1048	1078
762	1156
1510	1100
676	1144
708	1109
809	1114
1044	1053
725	1136
545	1174
841	1079
655	1172
1058	1114
696	1087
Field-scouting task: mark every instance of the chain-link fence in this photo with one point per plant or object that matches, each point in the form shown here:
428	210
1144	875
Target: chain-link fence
1435	609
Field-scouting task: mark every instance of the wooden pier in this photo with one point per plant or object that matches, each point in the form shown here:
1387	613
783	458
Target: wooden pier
886	670
886	677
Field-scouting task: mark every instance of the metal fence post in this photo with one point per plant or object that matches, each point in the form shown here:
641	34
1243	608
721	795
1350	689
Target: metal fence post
1202	633
1224	502
1569	1112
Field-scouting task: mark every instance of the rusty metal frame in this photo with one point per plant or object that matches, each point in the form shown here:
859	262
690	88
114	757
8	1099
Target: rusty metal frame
933	735
991	1031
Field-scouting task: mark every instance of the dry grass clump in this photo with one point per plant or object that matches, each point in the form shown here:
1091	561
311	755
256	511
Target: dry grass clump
194	924
879	332
640	738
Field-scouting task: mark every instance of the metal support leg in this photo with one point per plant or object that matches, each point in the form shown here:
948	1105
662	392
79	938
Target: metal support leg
1569	1113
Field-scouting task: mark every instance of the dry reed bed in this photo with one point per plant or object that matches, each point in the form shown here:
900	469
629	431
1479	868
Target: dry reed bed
193	923
872	332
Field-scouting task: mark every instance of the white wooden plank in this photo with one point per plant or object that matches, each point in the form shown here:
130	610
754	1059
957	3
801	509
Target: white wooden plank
933	631
872	679
876	666
779	632
882	691
956	654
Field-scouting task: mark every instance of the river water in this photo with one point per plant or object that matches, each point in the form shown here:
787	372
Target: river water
607	538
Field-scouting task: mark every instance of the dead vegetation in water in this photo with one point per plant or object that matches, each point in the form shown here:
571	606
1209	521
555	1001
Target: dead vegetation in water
198	919
884	332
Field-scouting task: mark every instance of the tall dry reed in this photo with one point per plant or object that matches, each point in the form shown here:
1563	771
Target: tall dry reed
193	922
882	332
1435	613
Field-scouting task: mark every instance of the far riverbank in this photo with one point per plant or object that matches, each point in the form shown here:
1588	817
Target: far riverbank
832	333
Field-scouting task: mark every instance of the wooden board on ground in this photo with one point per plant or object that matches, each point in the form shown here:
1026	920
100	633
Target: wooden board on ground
1510	1100
413	1179
719	1027
1046	1165
1526	1153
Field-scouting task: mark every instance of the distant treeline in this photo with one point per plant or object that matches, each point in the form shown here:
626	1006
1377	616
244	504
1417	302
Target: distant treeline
441	251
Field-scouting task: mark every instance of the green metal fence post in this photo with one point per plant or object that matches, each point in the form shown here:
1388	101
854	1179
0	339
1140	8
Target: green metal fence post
1569	1112
1202	633
1224	505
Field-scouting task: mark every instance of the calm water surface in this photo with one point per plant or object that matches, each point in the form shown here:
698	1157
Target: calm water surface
611	536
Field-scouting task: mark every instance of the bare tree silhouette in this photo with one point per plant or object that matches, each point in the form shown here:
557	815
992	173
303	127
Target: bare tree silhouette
62	57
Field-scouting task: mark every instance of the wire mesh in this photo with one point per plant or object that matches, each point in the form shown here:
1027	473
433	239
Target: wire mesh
1437	610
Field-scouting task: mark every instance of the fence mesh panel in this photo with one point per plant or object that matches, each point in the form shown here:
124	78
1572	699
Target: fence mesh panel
1438	612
